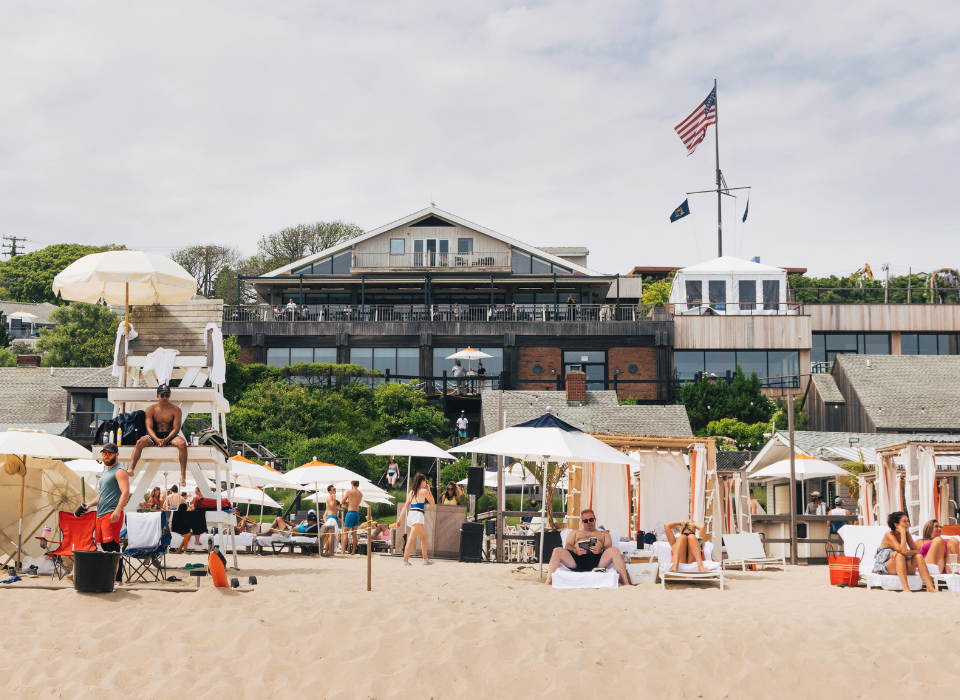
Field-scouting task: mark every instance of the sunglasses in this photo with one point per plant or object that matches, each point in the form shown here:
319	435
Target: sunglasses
589	520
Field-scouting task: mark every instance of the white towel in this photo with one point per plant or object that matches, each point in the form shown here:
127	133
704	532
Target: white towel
161	362
143	530
218	373
116	371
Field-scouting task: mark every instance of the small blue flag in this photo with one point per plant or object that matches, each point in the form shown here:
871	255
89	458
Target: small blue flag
747	210
680	212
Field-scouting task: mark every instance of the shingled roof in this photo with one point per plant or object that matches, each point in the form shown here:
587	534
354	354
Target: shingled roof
41	310
827	387
600	414
32	395
906	392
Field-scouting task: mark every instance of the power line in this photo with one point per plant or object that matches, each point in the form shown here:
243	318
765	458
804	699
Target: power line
12	245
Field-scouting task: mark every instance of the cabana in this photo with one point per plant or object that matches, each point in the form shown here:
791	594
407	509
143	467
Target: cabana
730	286
917	477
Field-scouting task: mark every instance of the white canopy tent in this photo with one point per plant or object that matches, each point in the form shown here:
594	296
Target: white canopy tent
410	446
730	286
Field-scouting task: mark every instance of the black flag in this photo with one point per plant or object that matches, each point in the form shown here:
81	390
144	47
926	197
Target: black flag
747	210
680	212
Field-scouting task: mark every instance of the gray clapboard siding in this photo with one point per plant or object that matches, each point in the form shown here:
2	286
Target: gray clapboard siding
906	318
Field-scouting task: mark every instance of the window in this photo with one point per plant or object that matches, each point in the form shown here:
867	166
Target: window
826	346
771	295
687	364
396	246
562	270
464	245
398	361
519	262
718	294
323	267
341	263
540	267
694	292
283	357
593	362
928	344
308	270
748	295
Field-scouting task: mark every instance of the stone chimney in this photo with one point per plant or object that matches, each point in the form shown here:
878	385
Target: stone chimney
28	360
576	388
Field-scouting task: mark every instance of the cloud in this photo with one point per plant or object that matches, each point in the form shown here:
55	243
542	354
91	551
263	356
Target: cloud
165	125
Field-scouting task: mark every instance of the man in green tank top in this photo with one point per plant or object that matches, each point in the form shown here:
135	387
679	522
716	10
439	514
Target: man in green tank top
111	499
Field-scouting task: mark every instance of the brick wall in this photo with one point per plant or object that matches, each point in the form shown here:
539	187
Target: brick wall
547	357
646	361
247	356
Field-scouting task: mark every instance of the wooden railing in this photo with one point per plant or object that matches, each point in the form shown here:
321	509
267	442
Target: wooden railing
475	259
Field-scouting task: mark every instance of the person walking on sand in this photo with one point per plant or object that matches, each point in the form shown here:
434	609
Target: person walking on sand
393	472
351	521
330	523
414	507
164	421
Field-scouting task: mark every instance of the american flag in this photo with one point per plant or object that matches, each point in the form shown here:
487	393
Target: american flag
693	129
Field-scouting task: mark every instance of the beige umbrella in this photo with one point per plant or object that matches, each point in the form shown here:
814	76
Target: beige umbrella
125	277
45	488
18	446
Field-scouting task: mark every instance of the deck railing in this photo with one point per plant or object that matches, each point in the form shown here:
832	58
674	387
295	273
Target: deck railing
428	259
438	312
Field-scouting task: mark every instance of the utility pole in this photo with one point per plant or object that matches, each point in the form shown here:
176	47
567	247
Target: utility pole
793	485
886	284
716	134
909	275
12	245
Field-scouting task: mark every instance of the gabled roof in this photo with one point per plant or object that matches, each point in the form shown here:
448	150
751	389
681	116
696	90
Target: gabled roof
728	264
41	310
827	387
601	413
906	392
30	395
432	211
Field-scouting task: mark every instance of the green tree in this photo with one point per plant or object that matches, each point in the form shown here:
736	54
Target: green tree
291	244
207	263
7	358
801	421
657	293
29	277
851	480
746	436
83	337
713	399
457	471
336	449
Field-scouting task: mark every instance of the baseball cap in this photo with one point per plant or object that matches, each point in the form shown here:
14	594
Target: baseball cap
110	447
311	512
163	389
815	493
838	501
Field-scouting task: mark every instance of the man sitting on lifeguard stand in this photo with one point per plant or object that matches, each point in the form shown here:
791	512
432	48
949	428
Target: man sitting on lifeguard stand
164	423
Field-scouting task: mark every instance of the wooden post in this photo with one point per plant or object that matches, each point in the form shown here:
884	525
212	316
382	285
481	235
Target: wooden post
793	485
369	547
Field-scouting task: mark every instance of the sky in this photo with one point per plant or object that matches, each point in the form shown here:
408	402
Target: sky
159	125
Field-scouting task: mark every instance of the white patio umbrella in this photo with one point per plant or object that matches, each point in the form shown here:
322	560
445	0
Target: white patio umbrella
253	475
547	439
125	277
804	468
242	494
469	355
409	446
24	316
87	469
19	444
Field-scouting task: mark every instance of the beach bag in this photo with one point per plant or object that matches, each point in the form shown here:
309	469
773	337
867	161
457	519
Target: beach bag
214	439
844	571
211	504
133	425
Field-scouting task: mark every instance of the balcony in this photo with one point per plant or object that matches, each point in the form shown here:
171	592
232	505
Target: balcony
432	262
349	313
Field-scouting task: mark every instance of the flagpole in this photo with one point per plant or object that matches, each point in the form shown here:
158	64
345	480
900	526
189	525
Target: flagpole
716	134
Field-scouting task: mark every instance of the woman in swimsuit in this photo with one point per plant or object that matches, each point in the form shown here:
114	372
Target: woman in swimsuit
154	503
417	500
899	554
452	495
935	548
393	472
686	547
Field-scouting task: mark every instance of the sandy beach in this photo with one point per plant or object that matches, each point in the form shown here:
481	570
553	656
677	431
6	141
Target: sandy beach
310	629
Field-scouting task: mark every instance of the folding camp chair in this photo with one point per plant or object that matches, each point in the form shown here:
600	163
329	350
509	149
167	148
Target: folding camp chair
147	560
77	536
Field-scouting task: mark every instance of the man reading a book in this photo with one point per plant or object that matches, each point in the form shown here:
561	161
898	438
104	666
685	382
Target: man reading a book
587	549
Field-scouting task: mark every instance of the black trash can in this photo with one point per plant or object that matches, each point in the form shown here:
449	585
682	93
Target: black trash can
95	572
551	540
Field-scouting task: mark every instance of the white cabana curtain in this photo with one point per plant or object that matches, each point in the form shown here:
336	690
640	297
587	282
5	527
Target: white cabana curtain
698	481
888	487
865	500
928	484
664	489
609	494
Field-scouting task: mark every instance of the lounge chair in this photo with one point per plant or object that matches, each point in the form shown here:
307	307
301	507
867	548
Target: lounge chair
747	548
871	536
564	577
146	552
77	536
687	573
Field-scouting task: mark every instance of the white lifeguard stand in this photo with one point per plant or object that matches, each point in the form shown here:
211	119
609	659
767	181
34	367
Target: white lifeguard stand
180	327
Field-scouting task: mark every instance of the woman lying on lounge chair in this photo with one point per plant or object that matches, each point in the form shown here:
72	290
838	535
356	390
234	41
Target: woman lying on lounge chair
686	546
935	548
899	554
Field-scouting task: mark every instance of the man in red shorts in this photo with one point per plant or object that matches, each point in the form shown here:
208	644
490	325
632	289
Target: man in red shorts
111	499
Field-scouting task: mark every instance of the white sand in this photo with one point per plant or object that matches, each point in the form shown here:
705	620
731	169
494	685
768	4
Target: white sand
310	630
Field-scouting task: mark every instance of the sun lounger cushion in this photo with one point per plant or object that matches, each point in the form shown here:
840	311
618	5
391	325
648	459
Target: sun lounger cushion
889	582
664	553
564	578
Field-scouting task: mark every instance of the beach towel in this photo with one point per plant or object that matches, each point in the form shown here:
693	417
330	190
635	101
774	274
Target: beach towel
143	530
161	362
218	373
116	371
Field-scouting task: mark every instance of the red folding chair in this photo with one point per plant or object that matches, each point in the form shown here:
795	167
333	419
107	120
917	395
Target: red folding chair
77	536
